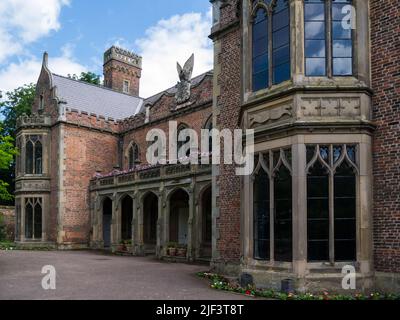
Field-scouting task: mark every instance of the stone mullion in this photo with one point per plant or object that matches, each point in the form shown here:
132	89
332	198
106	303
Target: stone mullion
271	207
299	179
331	208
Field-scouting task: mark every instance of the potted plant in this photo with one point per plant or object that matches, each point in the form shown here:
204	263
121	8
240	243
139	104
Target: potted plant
128	245
121	247
182	251
171	249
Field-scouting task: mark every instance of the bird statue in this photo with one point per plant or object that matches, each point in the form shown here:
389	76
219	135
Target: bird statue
185	77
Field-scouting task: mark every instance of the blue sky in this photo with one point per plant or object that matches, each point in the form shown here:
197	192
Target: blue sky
77	32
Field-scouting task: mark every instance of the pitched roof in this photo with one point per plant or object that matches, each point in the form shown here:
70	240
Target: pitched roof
96	99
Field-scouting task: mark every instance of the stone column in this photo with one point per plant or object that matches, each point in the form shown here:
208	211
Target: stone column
115	225
191	231
247	218
140	232
160	239
134	221
299	208
364	207
22	229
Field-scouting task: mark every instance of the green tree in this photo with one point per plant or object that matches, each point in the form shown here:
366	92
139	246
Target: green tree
17	103
7	153
88	77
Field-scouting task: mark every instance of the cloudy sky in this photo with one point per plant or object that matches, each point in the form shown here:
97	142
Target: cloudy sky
77	32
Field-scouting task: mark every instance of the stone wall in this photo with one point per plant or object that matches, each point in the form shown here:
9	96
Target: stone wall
7	215
385	51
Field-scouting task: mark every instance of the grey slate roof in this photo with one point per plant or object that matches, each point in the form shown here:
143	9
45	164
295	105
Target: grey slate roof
96	99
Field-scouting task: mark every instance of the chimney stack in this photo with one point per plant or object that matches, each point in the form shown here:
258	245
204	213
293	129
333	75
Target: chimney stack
122	70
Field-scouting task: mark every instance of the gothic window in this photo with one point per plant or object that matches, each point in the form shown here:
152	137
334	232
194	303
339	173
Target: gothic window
328	37
133	156
270	43
18	156
331	203
180	144
209	127
33	155
33	218
41	102
272	207
261	207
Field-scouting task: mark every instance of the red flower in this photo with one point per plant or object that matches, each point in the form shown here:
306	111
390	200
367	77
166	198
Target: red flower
248	293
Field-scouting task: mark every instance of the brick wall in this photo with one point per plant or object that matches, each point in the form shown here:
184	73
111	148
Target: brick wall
86	150
194	115
115	72
385	29
228	223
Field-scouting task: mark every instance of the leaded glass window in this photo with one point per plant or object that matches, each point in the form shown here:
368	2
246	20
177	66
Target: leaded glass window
133	156
33	219
33	155
328	38
272	206
331	202
270	43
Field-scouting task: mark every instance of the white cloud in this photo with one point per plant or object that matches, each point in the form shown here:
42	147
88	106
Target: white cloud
170	41
23	22
27	71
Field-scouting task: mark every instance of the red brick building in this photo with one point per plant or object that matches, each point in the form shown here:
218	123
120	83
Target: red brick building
317	81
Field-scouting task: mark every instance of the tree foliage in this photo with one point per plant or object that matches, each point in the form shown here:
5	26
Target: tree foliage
88	77
7	153
17	103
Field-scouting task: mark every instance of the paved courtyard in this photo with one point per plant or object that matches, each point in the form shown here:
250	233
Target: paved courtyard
90	275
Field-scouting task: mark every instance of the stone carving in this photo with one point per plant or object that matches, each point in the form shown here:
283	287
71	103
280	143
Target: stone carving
185	75
269	115
32	185
331	107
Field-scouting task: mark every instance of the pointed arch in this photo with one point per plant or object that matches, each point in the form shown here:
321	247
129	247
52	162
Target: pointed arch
133	155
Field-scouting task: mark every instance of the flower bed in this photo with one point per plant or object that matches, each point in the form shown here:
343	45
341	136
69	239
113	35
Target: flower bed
218	282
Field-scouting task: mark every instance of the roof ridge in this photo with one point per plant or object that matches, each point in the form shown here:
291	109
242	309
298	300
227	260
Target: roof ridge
96	86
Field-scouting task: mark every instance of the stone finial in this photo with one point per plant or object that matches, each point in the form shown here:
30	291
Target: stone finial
185	77
45	59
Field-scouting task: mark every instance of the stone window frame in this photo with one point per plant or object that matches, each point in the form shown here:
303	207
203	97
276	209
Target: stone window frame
329	42
271	173
126	84
255	5
33	201
34	139
133	150
331	165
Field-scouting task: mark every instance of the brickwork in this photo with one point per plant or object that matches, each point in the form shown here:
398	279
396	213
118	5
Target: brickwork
385	30
86	151
229	101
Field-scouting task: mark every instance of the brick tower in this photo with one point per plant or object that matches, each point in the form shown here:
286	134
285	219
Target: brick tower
122	70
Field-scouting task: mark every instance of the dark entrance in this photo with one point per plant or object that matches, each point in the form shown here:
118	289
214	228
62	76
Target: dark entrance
150	217
179	216
126	218
107	216
206	223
